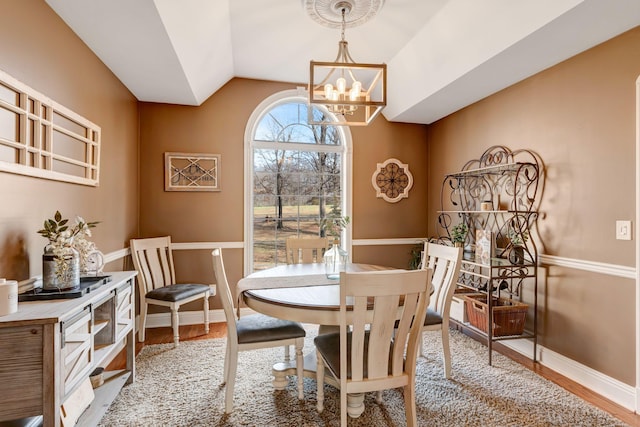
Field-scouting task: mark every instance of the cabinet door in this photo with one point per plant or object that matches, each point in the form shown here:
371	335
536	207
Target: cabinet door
124	309
21	374
76	349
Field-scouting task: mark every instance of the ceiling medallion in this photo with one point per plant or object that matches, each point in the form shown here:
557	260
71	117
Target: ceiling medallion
328	13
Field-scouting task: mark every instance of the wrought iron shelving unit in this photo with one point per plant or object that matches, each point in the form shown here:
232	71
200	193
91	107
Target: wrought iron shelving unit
498	192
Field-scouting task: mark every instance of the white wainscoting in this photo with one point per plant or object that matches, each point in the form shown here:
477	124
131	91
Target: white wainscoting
620	393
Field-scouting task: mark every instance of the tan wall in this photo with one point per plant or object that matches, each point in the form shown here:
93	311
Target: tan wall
579	116
218	126
42	52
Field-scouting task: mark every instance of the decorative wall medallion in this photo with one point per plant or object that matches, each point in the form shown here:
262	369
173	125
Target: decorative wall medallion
392	180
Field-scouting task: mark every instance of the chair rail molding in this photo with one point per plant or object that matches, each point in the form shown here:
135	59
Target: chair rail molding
591	266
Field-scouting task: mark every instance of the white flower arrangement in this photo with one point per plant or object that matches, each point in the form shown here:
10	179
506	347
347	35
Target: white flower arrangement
63	237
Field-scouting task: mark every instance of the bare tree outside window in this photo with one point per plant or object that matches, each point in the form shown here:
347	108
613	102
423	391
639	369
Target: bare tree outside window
297	180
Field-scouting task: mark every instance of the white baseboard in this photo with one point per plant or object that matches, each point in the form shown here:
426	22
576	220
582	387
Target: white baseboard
614	390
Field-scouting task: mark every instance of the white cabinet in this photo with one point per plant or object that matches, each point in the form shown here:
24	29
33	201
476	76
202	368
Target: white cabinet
48	348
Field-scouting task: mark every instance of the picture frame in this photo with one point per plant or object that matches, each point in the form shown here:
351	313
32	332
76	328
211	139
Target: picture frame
484	246
191	172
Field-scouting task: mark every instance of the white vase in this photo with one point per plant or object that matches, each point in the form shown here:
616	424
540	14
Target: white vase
335	261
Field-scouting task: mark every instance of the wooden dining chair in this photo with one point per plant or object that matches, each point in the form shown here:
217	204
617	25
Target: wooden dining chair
252	332
445	262
305	250
153	260
366	355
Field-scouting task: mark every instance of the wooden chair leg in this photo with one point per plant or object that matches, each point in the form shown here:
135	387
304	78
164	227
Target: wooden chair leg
227	355
176	328
343	408
206	313
231	381
143	322
446	352
410	404
320	384
300	367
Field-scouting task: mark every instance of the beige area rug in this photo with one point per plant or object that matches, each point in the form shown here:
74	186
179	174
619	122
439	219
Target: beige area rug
181	387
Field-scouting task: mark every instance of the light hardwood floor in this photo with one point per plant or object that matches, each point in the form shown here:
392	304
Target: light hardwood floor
219	330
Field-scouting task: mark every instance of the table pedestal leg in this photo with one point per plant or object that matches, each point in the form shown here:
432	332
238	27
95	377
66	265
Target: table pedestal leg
280	371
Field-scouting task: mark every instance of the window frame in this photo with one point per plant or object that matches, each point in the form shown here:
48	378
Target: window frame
298	95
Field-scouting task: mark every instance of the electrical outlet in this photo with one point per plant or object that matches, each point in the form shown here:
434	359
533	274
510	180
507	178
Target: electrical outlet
623	230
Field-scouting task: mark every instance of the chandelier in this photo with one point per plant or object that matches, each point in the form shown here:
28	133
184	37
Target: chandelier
355	93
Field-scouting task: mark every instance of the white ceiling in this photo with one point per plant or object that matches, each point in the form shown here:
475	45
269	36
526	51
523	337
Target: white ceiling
442	55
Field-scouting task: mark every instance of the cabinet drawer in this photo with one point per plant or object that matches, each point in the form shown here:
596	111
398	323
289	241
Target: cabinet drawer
76	349
124	309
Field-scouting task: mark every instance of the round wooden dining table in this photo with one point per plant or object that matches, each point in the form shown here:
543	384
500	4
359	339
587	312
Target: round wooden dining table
302	293
299	292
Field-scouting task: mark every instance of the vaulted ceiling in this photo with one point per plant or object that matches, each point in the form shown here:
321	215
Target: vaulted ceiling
442	55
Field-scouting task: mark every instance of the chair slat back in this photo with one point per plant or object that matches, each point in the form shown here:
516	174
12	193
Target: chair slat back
222	286
153	260
379	298
445	261
305	250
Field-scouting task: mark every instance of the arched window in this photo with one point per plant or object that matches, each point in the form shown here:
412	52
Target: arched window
296	174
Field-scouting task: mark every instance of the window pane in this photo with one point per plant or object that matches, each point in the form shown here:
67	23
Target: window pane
288	123
292	189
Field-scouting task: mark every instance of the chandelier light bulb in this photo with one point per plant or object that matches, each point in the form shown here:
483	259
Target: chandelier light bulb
341	84
354	93
328	90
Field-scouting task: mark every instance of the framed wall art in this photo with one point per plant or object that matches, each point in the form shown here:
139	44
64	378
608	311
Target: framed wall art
191	172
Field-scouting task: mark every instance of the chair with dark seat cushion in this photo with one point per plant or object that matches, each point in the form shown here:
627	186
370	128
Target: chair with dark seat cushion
366	355
153	260
445	261
252	332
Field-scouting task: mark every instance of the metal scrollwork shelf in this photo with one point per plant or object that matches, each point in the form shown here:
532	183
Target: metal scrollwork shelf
499	194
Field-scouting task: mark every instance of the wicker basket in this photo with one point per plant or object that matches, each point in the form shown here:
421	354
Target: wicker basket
508	315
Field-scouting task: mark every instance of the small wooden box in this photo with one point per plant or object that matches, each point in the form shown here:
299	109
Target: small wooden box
457	311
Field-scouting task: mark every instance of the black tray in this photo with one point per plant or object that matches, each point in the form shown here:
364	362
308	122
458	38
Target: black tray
87	284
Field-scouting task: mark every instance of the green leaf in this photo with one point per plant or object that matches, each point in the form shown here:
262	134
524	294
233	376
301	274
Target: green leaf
57	216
